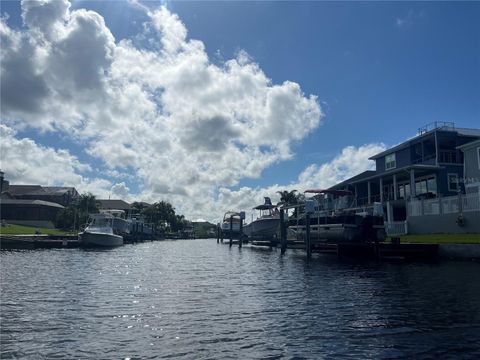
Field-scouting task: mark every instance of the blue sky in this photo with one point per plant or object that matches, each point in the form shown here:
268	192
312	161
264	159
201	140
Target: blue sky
379	71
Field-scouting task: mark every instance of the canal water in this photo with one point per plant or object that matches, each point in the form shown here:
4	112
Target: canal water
201	300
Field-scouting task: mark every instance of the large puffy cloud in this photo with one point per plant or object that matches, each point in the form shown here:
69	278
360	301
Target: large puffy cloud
44	16
183	127
351	161
25	162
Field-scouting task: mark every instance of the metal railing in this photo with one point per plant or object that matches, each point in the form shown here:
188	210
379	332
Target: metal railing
436	125
396	228
364	200
444	205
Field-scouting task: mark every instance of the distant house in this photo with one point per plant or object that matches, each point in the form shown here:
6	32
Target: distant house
55	194
107	204
29	212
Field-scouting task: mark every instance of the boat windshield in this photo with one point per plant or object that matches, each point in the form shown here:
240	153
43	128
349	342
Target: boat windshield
101	222
115	213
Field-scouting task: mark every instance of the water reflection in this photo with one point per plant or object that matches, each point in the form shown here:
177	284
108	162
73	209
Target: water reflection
197	299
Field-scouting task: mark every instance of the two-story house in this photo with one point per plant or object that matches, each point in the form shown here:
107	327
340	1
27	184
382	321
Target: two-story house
426	166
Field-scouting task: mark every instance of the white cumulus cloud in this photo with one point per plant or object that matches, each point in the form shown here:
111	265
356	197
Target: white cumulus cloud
184	128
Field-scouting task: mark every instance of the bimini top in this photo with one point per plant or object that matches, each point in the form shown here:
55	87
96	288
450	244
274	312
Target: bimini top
329	191
266	206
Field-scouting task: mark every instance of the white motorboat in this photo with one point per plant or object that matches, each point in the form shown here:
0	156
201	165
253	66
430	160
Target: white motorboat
231	223
120	225
99	232
267	224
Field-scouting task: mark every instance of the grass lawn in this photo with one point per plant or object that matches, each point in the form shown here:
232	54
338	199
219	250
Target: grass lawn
441	239
11	229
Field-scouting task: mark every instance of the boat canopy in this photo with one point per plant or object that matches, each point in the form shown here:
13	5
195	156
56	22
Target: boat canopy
329	191
264	207
267	205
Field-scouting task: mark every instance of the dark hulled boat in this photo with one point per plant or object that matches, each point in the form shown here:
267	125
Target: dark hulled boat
335	218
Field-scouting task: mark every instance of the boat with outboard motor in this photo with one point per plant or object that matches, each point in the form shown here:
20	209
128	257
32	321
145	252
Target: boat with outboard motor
99	232
266	226
336	218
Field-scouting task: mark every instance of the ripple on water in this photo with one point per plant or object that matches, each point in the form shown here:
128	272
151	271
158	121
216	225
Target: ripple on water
197	299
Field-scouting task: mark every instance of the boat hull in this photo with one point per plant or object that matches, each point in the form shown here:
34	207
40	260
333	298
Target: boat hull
235	227
346	228
89	238
264	228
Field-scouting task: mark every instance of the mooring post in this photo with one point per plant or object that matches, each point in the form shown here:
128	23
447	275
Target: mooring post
240	236
218	233
283	237
307	235
231	230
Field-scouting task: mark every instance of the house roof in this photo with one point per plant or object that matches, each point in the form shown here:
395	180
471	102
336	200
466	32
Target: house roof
18	190
114	204
58	190
30	202
470	144
23	189
144	203
405	144
359	177
372	175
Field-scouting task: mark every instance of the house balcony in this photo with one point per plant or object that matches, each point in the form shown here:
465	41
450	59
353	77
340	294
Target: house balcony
450	157
430	159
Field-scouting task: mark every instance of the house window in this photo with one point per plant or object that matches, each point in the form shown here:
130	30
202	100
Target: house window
390	162
452	182
426	185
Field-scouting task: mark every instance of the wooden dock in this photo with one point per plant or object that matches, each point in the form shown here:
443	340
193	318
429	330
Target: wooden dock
41	241
367	251
394	251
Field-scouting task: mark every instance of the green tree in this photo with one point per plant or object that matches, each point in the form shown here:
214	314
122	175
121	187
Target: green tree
87	203
138	207
66	218
159	213
288	197
76	214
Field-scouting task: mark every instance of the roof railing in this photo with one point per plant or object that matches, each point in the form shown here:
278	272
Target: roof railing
447	125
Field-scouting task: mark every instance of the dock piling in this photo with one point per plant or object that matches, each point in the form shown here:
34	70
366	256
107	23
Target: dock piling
240	236
307	236
231	231
283	237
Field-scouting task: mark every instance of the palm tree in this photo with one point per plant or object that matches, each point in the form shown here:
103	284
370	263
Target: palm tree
288	197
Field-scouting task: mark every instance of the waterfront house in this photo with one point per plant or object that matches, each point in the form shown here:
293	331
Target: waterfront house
412	178
29	212
34	205
107	204
54	194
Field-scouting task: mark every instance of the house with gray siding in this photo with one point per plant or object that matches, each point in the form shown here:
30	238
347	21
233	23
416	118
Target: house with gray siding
471	166
55	194
424	175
